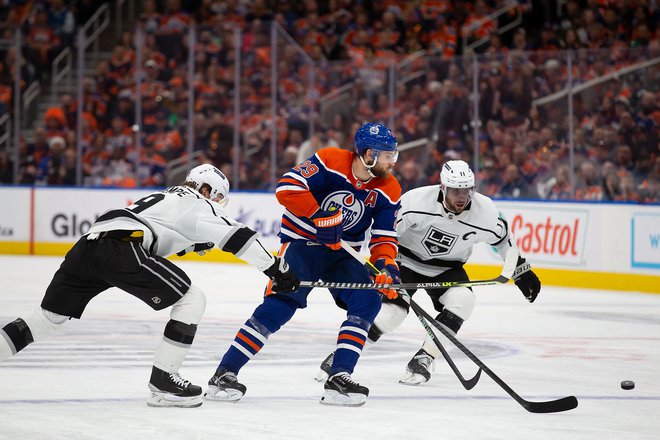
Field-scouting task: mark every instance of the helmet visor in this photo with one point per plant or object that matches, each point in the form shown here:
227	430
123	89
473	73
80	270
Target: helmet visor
387	156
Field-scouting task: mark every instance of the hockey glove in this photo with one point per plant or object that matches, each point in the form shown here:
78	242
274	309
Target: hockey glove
526	280
389	273
329	227
200	248
284	280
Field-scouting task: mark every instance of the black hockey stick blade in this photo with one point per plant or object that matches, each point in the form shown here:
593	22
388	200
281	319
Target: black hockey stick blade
468	384
564	404
551	406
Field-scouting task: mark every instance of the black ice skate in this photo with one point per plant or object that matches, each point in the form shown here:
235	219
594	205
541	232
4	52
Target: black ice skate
170	389
225	387
342	390
325	366
418	369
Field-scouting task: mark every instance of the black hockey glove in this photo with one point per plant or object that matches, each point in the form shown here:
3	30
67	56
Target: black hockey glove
200	248
284	280
526	280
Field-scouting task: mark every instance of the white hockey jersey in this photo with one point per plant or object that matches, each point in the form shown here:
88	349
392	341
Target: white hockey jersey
178	217
433	240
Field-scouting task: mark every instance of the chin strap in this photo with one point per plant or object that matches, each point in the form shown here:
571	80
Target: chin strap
369	167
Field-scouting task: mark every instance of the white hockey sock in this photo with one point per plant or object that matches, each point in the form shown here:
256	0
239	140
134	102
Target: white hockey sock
43	323
169	357
180	330
430	347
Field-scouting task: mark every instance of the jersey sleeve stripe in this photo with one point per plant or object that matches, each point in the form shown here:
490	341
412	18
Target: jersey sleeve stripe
284	232
295	176
292	188
292	218
376	240
240	240
383	232
288	225
505	228
285	180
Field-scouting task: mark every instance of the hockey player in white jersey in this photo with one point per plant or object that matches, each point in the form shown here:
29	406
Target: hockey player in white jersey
437	227
126	248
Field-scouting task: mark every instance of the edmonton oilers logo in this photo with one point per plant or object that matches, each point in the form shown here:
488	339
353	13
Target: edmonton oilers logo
352	208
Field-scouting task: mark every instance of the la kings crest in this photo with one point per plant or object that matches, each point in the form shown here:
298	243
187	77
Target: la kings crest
438	243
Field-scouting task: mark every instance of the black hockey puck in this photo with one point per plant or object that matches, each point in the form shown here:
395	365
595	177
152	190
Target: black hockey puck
627	384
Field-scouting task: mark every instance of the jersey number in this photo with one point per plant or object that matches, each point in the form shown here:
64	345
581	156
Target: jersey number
307	169
145	202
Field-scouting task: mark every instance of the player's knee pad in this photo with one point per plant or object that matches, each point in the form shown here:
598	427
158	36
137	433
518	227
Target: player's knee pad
388	319
43	323
190	308
459	301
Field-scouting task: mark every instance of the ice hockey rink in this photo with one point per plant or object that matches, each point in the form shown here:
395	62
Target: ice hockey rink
90	380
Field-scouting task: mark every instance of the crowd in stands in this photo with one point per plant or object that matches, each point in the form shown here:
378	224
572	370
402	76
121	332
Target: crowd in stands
523	142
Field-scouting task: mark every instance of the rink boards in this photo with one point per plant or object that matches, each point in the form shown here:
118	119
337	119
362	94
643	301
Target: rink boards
593	245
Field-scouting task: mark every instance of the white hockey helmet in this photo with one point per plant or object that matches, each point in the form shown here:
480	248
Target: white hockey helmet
214	178
456	174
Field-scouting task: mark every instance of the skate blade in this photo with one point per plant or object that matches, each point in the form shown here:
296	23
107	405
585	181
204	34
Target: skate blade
321	376
218	395
165	400
335	398
412	379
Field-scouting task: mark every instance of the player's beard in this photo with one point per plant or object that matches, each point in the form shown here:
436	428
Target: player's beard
380	170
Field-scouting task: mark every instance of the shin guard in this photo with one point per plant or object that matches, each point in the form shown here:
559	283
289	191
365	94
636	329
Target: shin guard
14	337
177	339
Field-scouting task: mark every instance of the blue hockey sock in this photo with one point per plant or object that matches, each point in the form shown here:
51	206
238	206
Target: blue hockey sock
267	318
350	342
247	343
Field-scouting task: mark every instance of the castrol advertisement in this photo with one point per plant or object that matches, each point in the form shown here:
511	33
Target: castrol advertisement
554	236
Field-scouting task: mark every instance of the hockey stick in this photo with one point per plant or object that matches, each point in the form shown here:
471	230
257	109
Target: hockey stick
550	406
507	271
468	384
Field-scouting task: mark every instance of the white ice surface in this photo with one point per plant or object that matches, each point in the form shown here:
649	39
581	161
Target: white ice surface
89	381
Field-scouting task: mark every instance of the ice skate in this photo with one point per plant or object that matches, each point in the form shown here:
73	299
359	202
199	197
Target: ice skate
418	369
170	389
225	387
324	368
342	390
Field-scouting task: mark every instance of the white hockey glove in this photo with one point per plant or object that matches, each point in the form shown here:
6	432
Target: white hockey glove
200	248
